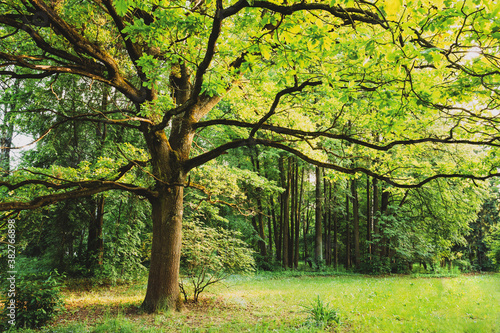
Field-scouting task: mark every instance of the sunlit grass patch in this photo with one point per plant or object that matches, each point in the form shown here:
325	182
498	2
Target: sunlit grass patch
363	304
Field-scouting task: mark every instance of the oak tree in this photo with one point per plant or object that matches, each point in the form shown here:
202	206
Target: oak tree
325	81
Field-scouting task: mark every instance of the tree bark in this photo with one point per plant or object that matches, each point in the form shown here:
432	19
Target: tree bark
163	282
285	211
355	218
7	131
95	243
383	210
335	240
258	221
297	218
318	253
348	231
368	216
293	207
376	231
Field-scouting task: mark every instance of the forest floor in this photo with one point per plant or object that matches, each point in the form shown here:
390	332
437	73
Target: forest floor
278	303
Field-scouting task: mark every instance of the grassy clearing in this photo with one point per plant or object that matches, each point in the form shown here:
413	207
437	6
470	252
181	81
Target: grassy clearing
469	303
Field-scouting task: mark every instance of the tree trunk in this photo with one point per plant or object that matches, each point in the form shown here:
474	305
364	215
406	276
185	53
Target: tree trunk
369	220
293	202
383	210
335	240
163	282
7	131
305	231
348	232
285	212
95	243
376	231
259	220
318	253
355	219
270	235
277	239
297	219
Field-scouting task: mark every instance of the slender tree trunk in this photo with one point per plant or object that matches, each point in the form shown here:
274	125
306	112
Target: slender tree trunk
318	253
293	203
376	231
95	243
285	213
305	231
355	218
326	219
297	212
335	239
7	131
383	210
277	243
348	233
270	234
261	231
369	220
259	222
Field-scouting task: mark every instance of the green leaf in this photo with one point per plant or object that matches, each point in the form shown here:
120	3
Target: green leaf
121	7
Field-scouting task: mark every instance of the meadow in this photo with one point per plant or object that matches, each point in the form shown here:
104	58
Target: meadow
304	303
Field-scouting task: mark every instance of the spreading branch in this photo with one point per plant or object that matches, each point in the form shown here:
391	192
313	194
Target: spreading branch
276	101
493	141
82	189
204	158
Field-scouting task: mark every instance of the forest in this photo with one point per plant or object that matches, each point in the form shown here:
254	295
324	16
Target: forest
163	162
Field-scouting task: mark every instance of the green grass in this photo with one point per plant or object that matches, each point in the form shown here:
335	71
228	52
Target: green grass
284	303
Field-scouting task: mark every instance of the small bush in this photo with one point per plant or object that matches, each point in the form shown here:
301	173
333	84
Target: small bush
209	256
321	314
400	266
464	265
37	299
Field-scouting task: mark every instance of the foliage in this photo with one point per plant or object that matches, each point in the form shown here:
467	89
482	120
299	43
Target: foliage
211	255
375	264
37	299
493	241
321	314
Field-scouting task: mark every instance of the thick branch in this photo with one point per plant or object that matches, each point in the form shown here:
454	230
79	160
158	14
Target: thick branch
348	15
320	134
204	158
85	189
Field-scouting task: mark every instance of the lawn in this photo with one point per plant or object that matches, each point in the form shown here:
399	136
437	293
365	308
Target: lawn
277	303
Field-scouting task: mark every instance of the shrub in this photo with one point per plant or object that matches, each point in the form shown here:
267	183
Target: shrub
375	264
37	299
400	266
493	242
463	264
321	314
211	255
